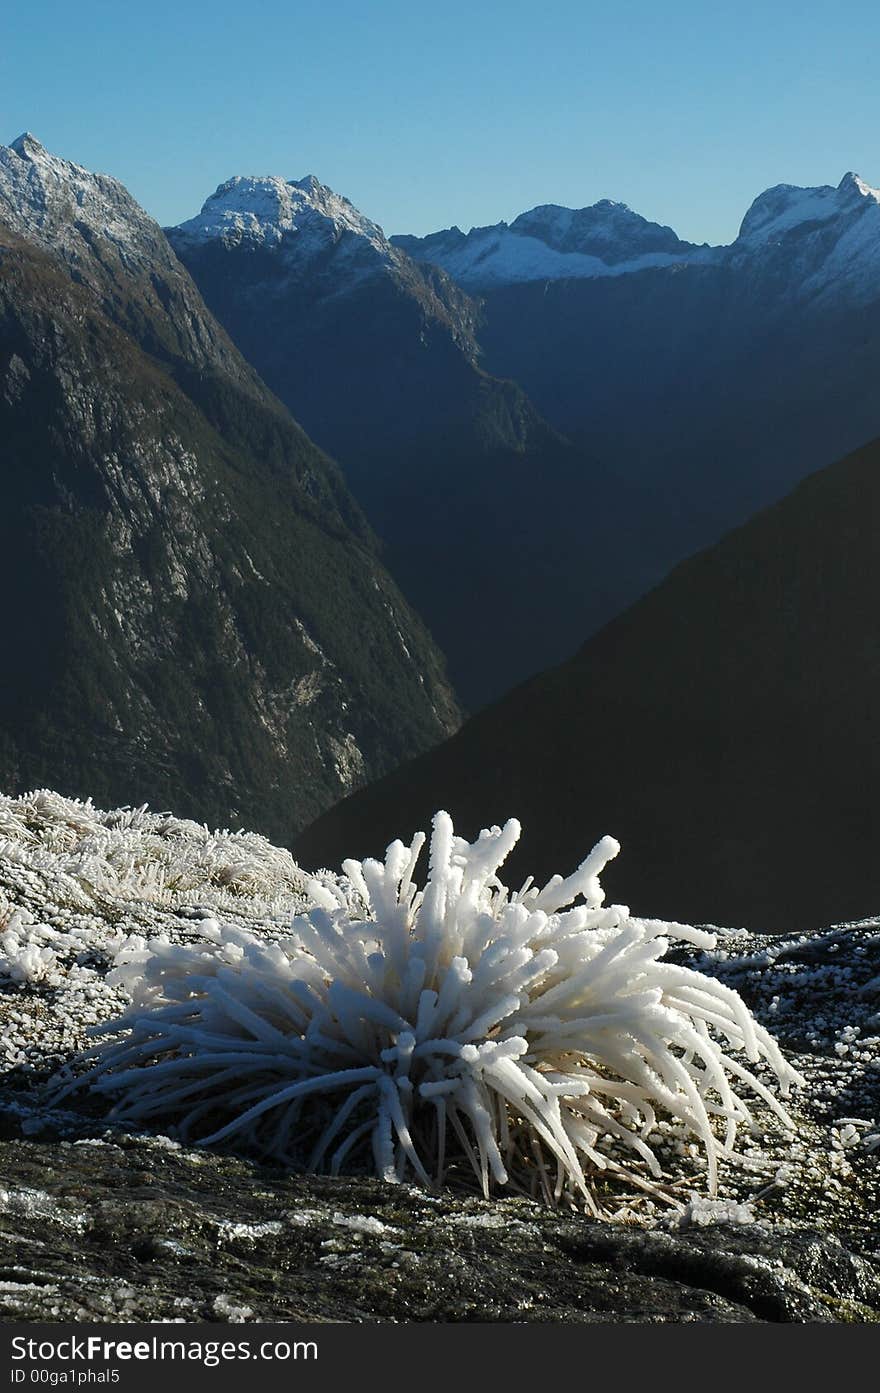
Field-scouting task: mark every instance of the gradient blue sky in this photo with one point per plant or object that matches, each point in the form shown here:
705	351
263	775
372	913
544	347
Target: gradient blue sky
430	114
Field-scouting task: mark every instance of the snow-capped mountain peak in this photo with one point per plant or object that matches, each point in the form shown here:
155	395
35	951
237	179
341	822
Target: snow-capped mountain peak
852	181
63	207
92	225
268	211
28	146
824	241
828	238
786	207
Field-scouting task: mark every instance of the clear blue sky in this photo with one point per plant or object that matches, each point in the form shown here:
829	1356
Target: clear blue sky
427	114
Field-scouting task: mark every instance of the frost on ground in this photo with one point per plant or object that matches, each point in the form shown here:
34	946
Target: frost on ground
77	883
77	887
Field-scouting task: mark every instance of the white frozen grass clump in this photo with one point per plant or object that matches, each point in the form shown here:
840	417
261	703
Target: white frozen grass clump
133	854
700	1212
535	1038
21	958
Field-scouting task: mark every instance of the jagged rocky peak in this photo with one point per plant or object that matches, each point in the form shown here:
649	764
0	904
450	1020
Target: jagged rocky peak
787	207
63	207
38	188
28	146
269	211
856	188
92	224
437	246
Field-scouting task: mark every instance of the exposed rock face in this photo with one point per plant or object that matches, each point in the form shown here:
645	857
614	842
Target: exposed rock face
723	729
122	1229
97	1223
201	617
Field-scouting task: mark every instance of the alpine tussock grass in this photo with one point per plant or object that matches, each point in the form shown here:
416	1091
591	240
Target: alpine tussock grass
535	1037
137	855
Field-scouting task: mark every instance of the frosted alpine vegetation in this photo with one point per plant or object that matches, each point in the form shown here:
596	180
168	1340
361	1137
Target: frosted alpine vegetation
534	1038
135	855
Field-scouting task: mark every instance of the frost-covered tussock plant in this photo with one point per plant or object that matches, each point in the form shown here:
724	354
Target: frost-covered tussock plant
26	951
532	1036
133	854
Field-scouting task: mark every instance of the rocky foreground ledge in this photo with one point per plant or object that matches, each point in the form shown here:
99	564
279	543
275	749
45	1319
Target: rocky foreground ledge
97	1223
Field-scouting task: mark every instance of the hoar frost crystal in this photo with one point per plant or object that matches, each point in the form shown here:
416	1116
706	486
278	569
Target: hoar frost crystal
535	1039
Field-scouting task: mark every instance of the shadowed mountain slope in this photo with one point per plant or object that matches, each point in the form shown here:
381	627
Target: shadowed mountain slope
724	728
711	380
481	506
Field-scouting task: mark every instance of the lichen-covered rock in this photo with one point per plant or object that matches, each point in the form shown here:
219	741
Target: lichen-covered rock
135	1229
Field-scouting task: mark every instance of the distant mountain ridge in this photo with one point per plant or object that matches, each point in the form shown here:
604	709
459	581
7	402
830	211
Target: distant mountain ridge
201	617
378	358
551	243
597	396
838	227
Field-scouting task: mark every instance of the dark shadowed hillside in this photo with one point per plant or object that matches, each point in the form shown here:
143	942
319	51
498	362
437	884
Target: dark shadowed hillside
724	728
